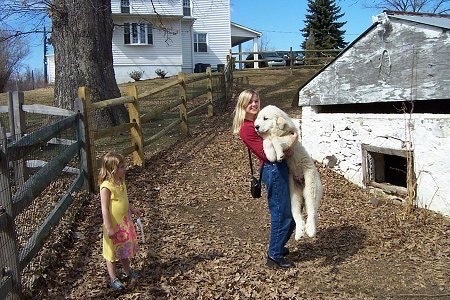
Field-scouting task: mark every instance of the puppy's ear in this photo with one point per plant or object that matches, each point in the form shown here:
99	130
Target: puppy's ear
281	122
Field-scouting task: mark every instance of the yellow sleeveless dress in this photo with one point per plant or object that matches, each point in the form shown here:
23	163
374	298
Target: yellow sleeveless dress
124	243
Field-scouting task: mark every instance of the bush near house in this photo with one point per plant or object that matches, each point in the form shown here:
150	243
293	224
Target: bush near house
161	73
136	74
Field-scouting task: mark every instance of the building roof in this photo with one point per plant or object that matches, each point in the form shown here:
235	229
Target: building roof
241	34
437	20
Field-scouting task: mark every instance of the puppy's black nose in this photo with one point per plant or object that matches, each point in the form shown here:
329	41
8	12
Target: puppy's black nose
257	127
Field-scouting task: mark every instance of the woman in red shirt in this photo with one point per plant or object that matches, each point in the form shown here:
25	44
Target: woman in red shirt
274	177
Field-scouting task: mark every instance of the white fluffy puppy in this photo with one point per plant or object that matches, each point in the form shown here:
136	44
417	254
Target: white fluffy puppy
276	128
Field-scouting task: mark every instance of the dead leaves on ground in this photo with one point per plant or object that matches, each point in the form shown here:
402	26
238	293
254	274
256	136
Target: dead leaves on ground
206	237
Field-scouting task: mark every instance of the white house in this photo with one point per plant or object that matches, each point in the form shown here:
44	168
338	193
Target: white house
385	101
174	36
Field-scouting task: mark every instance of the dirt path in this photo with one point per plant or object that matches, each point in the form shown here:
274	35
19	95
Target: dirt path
206	237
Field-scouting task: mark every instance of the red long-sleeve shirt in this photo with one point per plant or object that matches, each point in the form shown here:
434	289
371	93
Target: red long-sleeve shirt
252	140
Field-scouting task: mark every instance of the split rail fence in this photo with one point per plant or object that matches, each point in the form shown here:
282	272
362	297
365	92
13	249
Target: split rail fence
310	58
32	163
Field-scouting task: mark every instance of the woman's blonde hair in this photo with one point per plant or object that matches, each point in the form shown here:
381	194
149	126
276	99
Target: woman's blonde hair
239	112
110	163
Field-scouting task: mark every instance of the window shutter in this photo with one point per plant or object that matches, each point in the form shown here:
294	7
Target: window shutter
150	34
142	33
126	33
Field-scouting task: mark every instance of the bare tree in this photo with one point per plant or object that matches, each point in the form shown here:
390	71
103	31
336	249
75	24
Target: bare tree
425	6
27	79
12	52
82	40
264	44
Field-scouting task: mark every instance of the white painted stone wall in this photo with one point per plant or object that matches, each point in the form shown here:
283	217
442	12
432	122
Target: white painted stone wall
341	135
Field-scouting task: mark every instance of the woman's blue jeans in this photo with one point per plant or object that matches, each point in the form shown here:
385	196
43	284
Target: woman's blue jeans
275	178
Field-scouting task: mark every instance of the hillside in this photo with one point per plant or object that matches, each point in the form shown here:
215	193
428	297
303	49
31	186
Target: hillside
206	237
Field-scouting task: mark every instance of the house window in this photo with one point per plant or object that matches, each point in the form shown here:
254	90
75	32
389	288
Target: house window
200	44
186	7
386	168
135	33
125	6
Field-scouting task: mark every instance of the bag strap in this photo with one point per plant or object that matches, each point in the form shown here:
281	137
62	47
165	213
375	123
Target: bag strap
250	161
251	165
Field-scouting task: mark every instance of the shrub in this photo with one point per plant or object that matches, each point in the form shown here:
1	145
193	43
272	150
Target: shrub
161	73
136	74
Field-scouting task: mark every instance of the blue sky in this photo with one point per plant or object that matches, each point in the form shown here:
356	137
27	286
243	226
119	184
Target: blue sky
278	21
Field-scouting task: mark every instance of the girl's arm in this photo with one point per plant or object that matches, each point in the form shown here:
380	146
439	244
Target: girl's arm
252	140
105	198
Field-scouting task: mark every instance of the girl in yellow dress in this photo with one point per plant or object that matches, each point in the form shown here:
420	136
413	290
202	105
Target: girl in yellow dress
119	235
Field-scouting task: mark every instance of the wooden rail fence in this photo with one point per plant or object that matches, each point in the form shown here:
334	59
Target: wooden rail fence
17	144
311	58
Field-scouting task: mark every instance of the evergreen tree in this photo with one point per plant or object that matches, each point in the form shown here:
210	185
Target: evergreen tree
322	23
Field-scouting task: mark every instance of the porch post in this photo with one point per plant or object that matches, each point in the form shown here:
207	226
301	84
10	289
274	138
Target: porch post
255	49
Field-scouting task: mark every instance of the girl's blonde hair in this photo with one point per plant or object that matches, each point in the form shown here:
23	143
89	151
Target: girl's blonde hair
239	112
110	163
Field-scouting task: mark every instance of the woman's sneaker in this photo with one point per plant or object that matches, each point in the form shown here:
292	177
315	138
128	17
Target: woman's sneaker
281	263
117	285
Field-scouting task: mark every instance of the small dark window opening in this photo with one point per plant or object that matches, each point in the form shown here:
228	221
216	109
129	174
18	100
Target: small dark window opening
392	107
394	170
385	168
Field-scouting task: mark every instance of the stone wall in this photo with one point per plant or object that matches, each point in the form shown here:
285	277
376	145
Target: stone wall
335	140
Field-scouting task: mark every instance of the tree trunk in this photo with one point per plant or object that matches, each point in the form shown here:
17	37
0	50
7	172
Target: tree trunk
82	41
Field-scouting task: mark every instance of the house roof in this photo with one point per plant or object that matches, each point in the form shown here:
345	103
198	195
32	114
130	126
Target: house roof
241	34
436	20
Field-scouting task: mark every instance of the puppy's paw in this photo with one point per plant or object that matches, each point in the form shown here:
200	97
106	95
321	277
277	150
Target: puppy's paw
299	233
310	229
280	158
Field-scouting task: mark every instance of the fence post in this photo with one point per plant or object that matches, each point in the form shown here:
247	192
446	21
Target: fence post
183	109
209	92
3	137
88	151
225	76
292	60
17	128
136	132
9	255
231	73
83	137
229	77
16	114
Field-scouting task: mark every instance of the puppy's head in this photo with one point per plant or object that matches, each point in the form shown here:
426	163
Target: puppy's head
272	121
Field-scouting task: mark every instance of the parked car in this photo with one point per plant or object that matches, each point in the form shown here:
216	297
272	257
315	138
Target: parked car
299	58
275	59
261	64
271	59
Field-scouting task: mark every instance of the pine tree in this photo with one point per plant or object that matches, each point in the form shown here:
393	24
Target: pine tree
322	22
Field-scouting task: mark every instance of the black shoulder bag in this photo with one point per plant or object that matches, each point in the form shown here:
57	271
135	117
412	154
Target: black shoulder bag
255	183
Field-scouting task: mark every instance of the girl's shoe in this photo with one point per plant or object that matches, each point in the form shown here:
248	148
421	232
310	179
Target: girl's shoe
132	275
117	285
